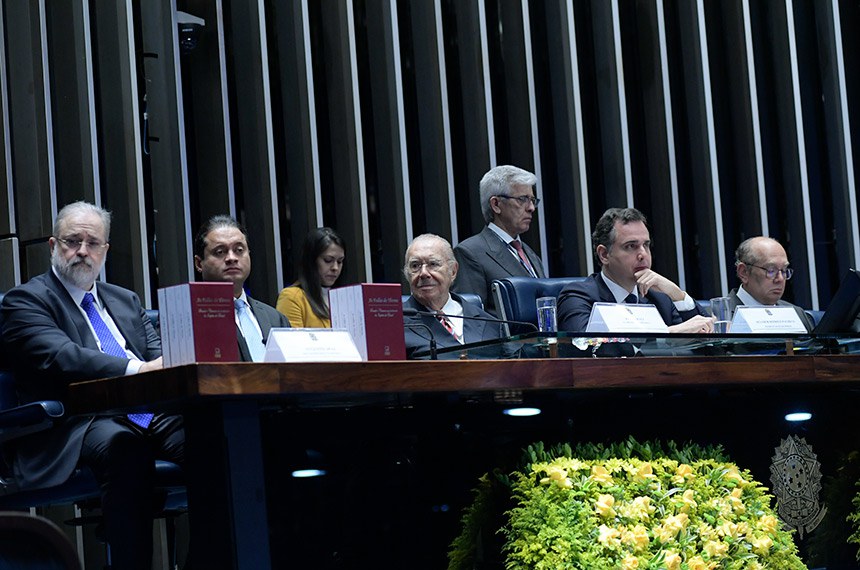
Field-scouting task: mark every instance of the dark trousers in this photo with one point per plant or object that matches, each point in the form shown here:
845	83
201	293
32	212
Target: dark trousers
122	456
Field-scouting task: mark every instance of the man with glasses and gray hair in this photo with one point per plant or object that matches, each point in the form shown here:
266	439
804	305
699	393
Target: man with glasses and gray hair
508	203
65	326
762	267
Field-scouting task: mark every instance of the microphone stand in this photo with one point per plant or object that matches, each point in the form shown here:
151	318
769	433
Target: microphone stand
413	312
432	338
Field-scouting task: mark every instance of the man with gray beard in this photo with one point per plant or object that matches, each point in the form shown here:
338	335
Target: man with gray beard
63	326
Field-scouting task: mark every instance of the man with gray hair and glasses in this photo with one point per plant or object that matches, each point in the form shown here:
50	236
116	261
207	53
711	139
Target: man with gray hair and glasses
508	203
762	267
65	326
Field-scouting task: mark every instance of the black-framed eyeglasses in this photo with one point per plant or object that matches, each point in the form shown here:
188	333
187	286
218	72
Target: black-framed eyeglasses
771	272
74	244
523	200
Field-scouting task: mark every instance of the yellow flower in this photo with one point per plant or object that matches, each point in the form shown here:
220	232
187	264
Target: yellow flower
688	503
630	562
601	475
716	548
558	475
672	560
682	473
604	506
735	500
762	545
637	537
644	473
767	523
733	475
696	563
608	536
639	508
671	527
728	528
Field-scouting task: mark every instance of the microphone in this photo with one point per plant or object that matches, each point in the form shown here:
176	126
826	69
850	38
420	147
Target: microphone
429	331
414	312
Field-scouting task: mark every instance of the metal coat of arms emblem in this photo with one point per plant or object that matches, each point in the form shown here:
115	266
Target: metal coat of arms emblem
796	477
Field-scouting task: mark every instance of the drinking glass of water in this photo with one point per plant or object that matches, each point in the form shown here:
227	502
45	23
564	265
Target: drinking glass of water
546	314
722	312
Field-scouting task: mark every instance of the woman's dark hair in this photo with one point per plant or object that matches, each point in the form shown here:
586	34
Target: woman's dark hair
316	242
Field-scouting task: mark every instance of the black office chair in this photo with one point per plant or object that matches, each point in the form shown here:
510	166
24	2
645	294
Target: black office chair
516	296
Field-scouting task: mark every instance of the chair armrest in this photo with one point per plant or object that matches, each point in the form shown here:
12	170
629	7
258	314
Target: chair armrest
29	418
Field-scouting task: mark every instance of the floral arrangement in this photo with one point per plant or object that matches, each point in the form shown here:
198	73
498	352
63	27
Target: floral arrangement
854	519
624	512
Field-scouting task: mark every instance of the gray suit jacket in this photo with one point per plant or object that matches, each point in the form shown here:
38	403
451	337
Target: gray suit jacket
483	258
804	318
268	318
53	346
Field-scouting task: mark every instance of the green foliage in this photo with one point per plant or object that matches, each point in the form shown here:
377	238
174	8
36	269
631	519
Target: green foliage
672	507
854	519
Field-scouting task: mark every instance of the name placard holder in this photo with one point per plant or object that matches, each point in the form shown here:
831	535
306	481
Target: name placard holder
311	345
620	318
766	320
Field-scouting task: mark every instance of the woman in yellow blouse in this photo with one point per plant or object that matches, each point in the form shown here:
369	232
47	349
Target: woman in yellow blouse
305	302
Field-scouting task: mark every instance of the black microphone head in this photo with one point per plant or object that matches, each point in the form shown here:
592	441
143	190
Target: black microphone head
409	312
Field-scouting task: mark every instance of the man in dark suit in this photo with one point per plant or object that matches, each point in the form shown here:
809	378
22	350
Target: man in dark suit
622	248
508	203
762	267
430	267
63	326
221	253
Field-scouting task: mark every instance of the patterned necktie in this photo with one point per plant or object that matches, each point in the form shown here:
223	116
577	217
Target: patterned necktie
252	335
517	245
110	346
449	327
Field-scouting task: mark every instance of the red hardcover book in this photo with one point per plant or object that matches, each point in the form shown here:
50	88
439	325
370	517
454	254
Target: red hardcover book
373	314
198	323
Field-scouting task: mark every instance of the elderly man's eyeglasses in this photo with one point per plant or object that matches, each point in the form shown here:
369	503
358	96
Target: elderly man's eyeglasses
772	272
74	244
523	200
415	266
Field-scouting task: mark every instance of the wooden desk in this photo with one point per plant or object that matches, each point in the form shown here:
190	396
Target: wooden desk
221	404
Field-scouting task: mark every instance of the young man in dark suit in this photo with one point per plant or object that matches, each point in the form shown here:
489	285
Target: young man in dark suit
622	248
508	203
221	253
64	326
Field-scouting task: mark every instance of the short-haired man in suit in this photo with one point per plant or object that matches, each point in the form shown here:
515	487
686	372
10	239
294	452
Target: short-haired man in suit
221	253
762	267
508	203
430	268
622	248
63	326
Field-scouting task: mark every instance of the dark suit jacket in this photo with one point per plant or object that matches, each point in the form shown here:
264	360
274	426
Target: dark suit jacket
804	318
483	258
53	346
576	300
267	317
418	339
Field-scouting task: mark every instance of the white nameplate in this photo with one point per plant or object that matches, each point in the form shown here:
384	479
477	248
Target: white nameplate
311	345
764	320
619	318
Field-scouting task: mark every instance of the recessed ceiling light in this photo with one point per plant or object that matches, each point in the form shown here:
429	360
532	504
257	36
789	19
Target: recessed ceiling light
798	417
521	412
304	473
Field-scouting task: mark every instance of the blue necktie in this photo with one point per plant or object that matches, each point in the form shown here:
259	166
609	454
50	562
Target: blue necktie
252	335
631	299
110	346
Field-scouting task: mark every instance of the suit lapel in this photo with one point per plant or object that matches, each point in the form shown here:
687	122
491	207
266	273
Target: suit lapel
498	251
122	319
473	331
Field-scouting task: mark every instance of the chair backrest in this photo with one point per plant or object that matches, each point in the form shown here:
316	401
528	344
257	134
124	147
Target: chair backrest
516	296
471	298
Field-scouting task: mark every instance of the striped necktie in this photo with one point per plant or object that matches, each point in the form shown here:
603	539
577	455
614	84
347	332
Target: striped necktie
110	346
449	327
517	245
